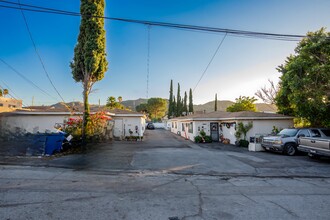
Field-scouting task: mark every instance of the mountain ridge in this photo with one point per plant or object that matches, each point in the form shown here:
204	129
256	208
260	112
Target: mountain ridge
206	107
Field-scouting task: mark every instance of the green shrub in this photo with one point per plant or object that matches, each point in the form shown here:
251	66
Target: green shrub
205	139
198	139
202	133
208	139
243	143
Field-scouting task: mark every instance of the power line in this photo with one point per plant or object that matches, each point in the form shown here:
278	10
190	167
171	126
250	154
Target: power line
8	88
215	53
37	53
13	97
231	32
26	79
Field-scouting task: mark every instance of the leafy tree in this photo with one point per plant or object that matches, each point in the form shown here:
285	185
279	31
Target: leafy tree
243	129
89	62
216	103
305	82
5	92
113	104
170	101
156	108
191	105
120	99
268	95
1	93
178	103
143	107
243	103
185	108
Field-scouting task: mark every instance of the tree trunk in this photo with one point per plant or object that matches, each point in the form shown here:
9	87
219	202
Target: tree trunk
85	115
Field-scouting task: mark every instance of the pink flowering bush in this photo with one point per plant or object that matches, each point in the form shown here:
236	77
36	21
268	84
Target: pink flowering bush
95	127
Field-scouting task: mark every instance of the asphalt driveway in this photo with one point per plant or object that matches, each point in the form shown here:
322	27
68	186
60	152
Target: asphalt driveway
164	177
162	151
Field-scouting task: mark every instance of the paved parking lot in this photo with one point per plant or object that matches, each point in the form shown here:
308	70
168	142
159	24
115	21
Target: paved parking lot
163	151
165	177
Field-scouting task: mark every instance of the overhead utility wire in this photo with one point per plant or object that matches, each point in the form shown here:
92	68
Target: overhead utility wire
9	89
12	96
38	55
208	65
26	79
231	32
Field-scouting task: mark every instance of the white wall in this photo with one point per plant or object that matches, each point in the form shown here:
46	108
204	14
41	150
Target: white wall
202	126
32	123
266	126
134	124
259	127
174	127
160	125
228	133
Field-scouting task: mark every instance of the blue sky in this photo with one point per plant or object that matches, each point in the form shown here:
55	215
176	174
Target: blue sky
241	66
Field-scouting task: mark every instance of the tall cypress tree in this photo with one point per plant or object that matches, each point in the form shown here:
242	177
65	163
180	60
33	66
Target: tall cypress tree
174	106
178	102
191	106
89	62
185	108
216	103
170	101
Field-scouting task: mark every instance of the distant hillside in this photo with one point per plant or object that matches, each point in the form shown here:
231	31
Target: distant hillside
222	106
209	106
131	104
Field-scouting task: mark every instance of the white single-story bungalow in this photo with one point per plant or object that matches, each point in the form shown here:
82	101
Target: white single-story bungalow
223	124
124	122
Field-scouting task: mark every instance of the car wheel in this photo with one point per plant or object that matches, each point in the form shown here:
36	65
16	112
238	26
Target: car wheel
290	149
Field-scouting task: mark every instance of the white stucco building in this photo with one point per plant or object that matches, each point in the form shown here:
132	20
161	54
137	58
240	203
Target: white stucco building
9	104
217	124
126	123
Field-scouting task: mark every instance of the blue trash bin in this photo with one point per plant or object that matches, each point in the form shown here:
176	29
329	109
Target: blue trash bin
54	143
38	145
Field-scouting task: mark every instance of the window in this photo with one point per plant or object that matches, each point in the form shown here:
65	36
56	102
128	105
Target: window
304	132
190	128
172	124
1	104
315	133
326	132
176	125
183	126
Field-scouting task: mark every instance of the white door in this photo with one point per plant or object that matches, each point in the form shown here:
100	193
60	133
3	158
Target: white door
118	130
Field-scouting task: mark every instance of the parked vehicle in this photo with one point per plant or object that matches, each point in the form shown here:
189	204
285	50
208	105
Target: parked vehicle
286	141
150	126
318	144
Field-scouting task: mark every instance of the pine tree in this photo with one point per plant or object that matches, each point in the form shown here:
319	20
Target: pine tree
170	101
216	103
185	108
89	62
191	106
178	103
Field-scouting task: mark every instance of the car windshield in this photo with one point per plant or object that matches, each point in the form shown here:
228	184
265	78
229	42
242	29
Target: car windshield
288	132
